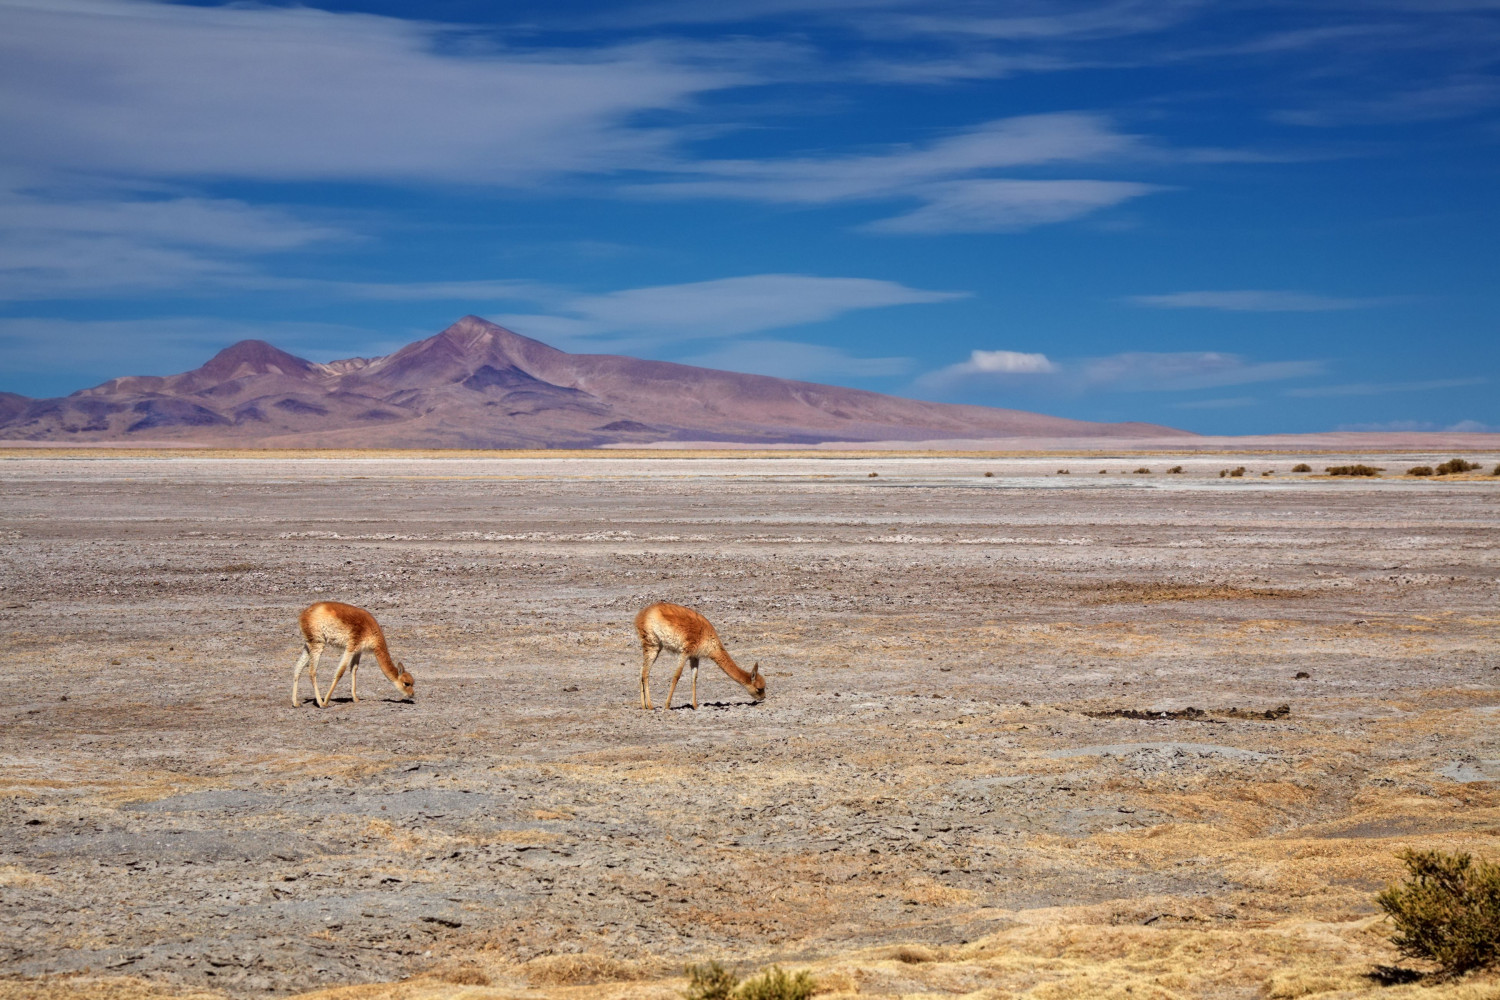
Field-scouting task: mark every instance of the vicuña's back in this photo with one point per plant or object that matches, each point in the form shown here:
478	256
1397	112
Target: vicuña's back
684	631
356	630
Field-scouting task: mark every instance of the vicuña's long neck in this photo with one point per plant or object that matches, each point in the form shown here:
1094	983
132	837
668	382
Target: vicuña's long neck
726	663
383	657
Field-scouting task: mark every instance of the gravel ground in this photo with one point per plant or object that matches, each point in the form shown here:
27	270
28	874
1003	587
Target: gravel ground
966	680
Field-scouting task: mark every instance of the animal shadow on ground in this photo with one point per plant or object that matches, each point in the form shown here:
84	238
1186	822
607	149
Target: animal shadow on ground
716	704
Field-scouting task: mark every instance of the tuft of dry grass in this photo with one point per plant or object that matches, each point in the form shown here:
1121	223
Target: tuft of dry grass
1354	470
577	970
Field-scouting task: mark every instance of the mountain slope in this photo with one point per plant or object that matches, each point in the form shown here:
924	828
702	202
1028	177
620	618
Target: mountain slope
479	385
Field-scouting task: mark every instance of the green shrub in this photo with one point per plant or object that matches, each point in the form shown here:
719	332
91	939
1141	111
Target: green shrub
1354	470
1419	470
712	981
774	984
1453	465
1447	910
1176	470
1301	467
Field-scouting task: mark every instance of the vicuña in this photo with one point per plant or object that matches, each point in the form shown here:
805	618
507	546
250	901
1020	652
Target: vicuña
684	631
357	631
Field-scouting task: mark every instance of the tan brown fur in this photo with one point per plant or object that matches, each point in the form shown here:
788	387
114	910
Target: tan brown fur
357	631
686	632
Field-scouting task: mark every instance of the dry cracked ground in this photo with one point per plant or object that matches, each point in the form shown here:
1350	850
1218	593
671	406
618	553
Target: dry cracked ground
974	774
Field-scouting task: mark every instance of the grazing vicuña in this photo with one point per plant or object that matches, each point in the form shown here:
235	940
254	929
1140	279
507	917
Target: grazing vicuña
683	630
356	630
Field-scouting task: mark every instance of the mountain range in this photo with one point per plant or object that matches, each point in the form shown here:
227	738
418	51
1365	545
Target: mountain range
479	385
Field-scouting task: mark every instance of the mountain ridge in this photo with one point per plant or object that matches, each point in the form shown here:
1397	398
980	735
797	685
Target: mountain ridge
476	384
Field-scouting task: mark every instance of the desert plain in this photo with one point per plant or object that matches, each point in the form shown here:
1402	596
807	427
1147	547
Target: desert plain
1122	735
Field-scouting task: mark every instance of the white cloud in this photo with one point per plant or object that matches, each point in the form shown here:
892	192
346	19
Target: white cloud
1461	427
790	359
984	206
946	176
1382	388
1030	140
139	88
721	308
1257	301
1135	371
112	243
1230	403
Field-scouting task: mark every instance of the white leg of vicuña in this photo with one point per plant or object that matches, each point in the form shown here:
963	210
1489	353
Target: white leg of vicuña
312	672
680	664
348	658
302	662
649	655
353	674
694	664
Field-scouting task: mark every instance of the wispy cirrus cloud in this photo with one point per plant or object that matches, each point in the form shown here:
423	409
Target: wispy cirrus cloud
1258	301
951	178
724	307
1382	388
138	88
1131	371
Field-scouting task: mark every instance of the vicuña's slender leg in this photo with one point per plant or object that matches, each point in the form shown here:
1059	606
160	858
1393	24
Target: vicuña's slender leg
693	662
302	662
348	658
312	671
353	673
675	677
649	655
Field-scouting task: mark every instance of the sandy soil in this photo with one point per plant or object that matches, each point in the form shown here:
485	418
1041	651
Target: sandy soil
950	788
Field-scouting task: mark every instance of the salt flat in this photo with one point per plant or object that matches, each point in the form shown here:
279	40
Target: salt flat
923	803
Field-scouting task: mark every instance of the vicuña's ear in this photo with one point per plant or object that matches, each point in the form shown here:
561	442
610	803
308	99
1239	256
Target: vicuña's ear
755	670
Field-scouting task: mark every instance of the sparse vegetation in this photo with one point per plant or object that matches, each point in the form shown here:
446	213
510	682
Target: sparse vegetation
1456	465
774	984
1446	911
1354	470
989	475
1175	470
1143	471
1268	472
1419	470
712	981
873	475
1301	467
1062	472
1103	472
1236	473
1497	470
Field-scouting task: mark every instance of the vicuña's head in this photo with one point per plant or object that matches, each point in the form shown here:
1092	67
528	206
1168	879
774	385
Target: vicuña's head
756	685
404	682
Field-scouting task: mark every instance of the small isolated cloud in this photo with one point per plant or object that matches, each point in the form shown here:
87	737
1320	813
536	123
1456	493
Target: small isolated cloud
1256	301
1134	371
1381	388
725	307
790	359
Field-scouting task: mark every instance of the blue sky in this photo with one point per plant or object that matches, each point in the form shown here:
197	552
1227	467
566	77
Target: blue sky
1229	216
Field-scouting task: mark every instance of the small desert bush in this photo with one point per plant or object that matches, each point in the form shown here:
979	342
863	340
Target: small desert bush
711	981
1446	911
1143	471
1301	467
1175	470
774	984
1354	470
1237	473
1419	470
1453	465
1497	470
1064	472
575	970
989	475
